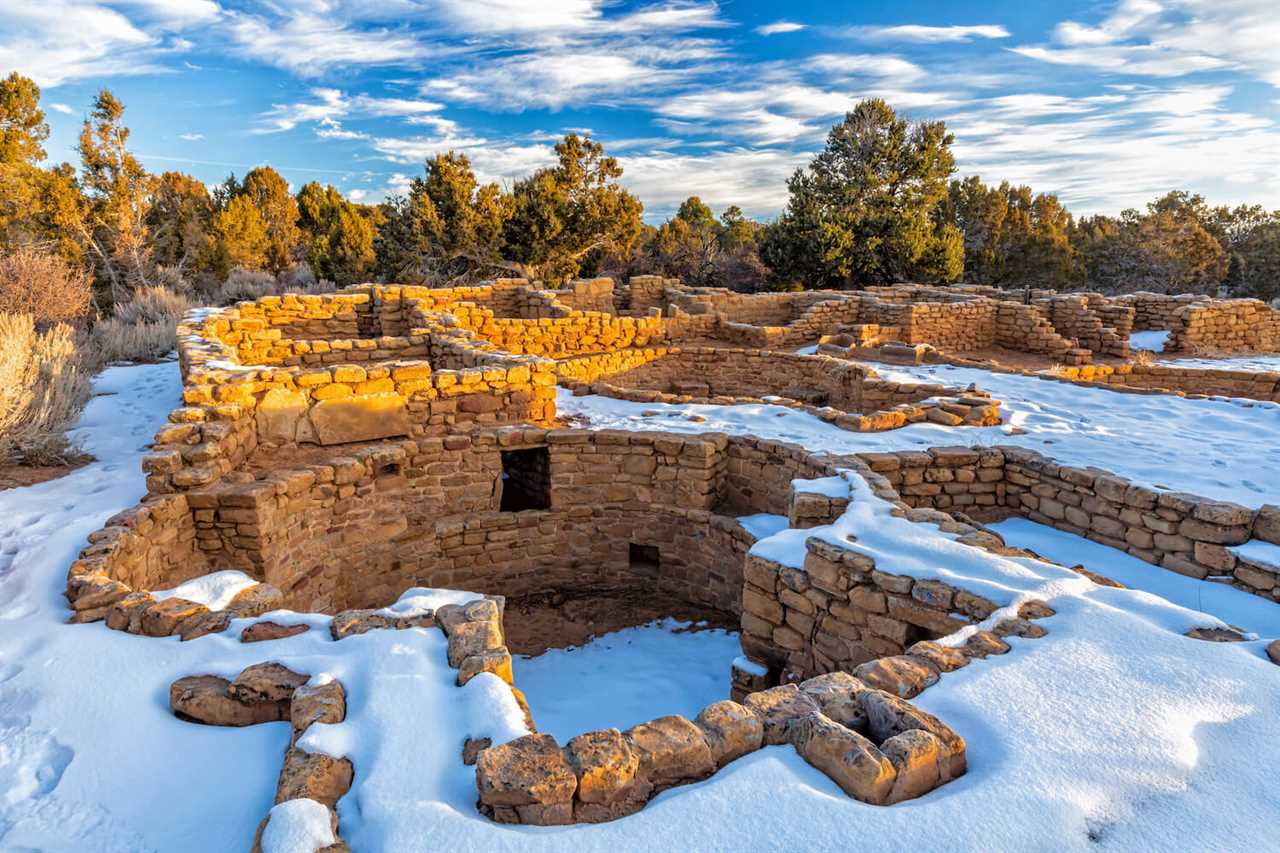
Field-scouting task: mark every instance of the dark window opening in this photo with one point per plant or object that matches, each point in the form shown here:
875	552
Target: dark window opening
645	559
915	634
526	480
389	469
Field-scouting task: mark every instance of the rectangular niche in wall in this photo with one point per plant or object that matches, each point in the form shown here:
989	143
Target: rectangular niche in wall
645	559
526	479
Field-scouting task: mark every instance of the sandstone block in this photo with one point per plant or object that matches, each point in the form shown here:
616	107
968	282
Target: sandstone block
530	771
777	707
730	729
888	715
854	763
672	751
266	682
206	699
836	694
313	776
900	675
918	759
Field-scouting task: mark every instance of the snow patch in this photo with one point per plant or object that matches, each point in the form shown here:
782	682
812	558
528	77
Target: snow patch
1257	551
215	590
1152	341
763	524
298	826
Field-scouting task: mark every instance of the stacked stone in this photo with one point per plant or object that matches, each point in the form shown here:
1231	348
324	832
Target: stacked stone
1181	380
1156	311
1184	533
944	478
587	294
1027	329
878	748
1227	325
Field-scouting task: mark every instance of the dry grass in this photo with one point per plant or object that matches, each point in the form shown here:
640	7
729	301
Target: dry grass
116	340
244	285
43	286
44	385
1144	357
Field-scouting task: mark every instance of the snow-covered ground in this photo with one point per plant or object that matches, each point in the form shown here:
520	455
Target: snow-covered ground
1231	605
1247	363
1150	340
1218	448
1114	732
627	677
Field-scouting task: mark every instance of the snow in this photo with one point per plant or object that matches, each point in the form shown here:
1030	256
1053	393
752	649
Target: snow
831	487
1231	605
1113	733
1247	363
1219	448
215	590
627	677
1153	341
763	524
1257	551
298	826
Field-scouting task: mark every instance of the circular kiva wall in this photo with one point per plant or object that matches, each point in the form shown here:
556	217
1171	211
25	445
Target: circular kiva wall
511	511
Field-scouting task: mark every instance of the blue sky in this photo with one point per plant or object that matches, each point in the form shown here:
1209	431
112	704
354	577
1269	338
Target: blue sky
1105	103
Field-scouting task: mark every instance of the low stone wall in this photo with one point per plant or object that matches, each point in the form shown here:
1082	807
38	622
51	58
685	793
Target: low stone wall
1184	380
1156	311
1231	325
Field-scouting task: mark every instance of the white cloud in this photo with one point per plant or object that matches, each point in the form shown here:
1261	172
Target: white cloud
330	105
310	44
60	40
61	108
191	137
926	34
779	27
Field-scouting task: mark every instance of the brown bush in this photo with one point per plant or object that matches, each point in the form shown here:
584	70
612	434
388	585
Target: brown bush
44	385
43	286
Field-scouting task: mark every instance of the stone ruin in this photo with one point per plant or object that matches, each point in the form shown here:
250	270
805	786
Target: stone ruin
341	449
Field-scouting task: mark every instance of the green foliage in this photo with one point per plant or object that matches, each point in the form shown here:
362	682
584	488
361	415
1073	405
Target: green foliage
865	211
696	248
239	235
339	239
180	219
448	228
270	194
23	129
566	217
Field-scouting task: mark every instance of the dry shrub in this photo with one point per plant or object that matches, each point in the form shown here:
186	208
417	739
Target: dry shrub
44	286
154	305
116	340
244	285
300	279
44	385
1144	357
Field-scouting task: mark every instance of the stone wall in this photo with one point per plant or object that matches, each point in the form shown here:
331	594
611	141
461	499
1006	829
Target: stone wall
1183	380
1156	311
1220	326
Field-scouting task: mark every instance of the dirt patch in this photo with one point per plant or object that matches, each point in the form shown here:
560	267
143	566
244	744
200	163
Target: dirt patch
557	620
17	476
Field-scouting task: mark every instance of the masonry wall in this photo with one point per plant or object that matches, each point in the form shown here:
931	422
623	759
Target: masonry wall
1210	382
1220	326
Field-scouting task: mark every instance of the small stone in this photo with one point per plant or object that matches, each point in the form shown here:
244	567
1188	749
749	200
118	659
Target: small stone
267	682
314	776
351	622
940	657
529	775
496	661
887	715
319	703
262	631
900	675
164	617
672	751
984	643
854	763
604	764
1273	652
472	747
730	729
917	756
777	707
836	693
203	625
472	638
1019	628
126	614
256	600
206	699
1216	635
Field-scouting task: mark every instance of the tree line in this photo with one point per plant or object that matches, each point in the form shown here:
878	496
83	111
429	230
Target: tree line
880	203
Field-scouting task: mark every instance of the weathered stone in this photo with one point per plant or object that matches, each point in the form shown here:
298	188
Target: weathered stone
836	694
605	766
777	707
496	661
1216	635
207	699
164	617
362	418
126	614
319	703
261	631
278	414
983	643
472	638
917	758
941	658
204	624
854	763
314	776
351	622
1273	651
672	751
731	730
256	600
530	775
266	682
887	715
472	747
901	675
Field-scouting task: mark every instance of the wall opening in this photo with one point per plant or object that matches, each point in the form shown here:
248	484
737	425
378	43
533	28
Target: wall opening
526	479
645	559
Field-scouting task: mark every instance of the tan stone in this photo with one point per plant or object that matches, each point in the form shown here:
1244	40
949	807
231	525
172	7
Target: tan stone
941	658
854	763
917	757
314	776
900	675
363	418
605	766
164	617
206	699
320	703
836	694
256	600
778	707
672	751
278	414
530	771
887	715
351	622
262	631
472	638
730	729
266	682
496	661
1273	651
